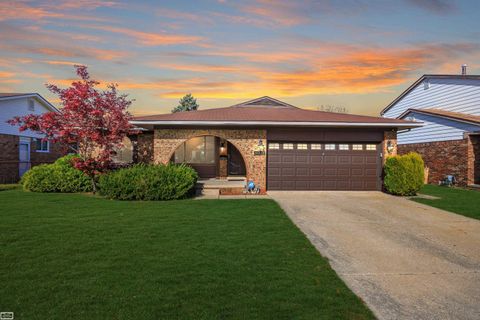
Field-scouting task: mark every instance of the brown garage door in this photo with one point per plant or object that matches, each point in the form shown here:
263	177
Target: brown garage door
323	166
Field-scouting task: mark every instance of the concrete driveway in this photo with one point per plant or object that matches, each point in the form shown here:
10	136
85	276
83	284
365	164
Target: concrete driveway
405	260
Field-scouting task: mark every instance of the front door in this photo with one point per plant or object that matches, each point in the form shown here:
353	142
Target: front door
23	157
236	166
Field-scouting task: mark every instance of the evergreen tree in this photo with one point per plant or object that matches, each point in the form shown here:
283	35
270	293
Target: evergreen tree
187	103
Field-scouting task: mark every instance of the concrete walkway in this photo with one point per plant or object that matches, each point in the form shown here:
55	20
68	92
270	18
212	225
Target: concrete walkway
405	260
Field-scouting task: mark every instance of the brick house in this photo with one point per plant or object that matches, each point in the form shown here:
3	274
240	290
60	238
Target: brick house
21	150
275	144
449	141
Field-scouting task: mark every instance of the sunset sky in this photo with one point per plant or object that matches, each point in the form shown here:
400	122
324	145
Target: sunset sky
357	54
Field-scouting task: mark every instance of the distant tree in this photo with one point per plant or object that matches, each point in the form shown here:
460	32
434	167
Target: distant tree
95	121
187	103
332	108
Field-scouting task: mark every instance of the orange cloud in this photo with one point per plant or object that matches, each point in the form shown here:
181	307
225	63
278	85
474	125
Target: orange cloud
5	74
148	38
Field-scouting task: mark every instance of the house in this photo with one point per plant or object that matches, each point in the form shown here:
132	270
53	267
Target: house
449	141
21	150
275	144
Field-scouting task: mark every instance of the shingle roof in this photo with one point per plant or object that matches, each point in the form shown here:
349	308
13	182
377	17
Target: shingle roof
269	112
447	114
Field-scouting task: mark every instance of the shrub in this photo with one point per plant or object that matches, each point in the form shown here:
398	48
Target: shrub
149	182
59	176
404	174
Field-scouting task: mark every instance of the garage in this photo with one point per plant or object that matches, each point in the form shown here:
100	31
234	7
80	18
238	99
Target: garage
323	166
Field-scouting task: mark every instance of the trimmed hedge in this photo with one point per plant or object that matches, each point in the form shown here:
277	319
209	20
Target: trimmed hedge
404	174
59	176
149	182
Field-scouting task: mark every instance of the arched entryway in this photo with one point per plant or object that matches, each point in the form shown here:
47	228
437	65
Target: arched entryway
124	153
211	156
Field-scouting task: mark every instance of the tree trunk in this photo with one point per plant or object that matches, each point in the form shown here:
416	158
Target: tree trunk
94	185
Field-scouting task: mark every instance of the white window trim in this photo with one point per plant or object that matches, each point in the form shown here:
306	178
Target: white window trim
42	151
328	145
289	144
302	144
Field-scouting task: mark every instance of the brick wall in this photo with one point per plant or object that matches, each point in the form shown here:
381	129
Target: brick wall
9	158
389	137
142	147
9	171
473	159
166	142
443	158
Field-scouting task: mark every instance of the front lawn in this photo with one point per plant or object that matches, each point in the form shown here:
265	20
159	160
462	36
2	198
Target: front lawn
461	201
80	257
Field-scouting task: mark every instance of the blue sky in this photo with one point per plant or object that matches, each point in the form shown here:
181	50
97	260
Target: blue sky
354	54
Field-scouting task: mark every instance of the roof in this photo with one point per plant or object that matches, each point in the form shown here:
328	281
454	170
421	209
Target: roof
458	116
268	111
428	76
9	95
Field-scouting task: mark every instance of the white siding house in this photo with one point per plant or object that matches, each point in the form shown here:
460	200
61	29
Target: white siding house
449	107
20	150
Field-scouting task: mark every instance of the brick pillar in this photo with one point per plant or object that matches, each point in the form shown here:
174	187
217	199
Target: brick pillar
473	159
389	144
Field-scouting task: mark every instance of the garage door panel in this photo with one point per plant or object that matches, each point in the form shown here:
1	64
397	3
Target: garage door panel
316	172
371	160
330	172
360	159
288	172
316	159
302	172
288	159
275	158
306	169
344	159
332	159
302	185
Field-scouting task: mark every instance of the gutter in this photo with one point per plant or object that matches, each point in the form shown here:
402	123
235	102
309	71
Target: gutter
279	123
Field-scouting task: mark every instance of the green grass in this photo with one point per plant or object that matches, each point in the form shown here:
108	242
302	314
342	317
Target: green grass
67	256
461	201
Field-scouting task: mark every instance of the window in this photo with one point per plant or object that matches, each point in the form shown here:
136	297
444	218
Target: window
274	146
330	146
196	150
371	147
42	145
302	146
316	146
31	105
343	147
357	147
288	146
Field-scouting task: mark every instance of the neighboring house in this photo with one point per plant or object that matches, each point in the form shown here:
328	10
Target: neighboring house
449	107
277	145
21	150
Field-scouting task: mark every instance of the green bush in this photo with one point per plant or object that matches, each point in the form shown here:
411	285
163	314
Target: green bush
149	182
404	174
59	176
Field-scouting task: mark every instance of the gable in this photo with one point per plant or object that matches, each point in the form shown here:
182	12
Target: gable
19	106
450	93
265	102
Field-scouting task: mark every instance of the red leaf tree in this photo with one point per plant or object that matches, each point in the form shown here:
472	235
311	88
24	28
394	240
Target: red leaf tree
94	121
